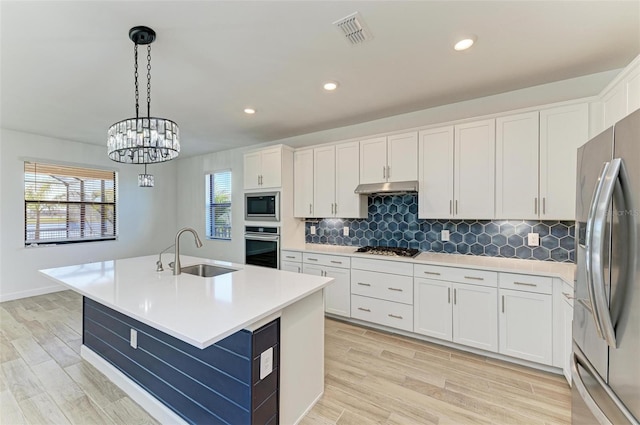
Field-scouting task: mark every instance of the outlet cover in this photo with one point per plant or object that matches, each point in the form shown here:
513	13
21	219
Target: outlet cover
345	231
533	239
444	235
266	363
313	230
133	340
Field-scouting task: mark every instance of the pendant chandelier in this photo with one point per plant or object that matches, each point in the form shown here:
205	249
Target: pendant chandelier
143	140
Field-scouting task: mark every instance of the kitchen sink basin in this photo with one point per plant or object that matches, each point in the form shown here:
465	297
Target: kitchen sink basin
206	270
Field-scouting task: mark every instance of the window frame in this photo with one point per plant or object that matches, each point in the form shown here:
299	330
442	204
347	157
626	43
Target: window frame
85	174
210	204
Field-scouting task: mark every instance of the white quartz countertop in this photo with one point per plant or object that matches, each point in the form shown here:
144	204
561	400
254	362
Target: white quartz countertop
197	310
564	271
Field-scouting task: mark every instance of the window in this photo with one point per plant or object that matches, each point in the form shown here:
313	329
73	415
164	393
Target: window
219	205
68	204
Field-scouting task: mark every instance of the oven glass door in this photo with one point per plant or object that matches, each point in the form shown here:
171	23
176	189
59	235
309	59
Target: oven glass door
262	251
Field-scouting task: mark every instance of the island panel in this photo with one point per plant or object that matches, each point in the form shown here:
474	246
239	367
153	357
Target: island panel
218	384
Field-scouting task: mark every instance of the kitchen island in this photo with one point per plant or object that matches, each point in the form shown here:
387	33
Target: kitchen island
225	349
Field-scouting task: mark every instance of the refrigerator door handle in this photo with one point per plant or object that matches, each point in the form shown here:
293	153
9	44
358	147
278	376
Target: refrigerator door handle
597	251
578	358
589	249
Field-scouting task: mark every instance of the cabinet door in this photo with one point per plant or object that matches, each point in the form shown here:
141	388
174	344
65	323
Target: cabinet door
291	266
474	181
324	181
373	160
517	166
402	157
435	197
526	326
338	294
303	183
271	168
475	316
562	131
432	308
252	170
567	340
349	204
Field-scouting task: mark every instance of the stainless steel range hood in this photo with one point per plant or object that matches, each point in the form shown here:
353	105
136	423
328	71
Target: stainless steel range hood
394	188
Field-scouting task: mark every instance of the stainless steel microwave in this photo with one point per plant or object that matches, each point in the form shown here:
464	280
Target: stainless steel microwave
264	206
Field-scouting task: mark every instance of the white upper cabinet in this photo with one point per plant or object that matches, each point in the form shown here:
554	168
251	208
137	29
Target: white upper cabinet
324	181
303	183
328	177
517	166
474	178
622	97
263	169
562	131
435	196
457	171
389	159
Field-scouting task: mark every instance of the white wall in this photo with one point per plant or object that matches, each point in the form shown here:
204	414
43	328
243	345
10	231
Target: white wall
191	203
146	217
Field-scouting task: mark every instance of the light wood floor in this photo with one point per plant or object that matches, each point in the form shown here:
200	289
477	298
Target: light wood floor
371	377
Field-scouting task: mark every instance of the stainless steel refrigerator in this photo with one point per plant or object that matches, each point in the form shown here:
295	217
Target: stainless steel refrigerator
606	319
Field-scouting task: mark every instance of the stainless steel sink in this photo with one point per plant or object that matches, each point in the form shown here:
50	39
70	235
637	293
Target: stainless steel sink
206	270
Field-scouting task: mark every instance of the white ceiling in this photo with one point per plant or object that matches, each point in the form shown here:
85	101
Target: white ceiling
67	66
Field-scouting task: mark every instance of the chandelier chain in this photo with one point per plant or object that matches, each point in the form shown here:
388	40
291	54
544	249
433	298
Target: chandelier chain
135	75
149	81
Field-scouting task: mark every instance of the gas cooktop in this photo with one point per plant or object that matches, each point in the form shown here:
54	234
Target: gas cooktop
389	251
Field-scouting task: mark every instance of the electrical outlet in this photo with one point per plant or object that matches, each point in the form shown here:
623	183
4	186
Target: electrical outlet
266	363
313	230
345	231
444	235
533	239
133	340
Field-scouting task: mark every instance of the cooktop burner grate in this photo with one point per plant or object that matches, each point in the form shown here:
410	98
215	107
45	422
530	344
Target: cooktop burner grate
389	251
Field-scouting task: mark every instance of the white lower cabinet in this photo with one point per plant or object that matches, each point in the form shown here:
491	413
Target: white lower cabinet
475	311
383	312
433	310
526	325
337	296
567	334
291	266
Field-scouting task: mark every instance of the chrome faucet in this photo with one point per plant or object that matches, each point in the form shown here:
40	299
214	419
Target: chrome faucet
177	269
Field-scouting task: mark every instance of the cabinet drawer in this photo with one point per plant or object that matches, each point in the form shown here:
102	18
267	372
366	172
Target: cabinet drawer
383	266
291	256
567	293
327	260
528	283
385	286
388	313
454	274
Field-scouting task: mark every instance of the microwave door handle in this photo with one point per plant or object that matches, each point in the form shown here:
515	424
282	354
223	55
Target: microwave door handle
597	249
589	249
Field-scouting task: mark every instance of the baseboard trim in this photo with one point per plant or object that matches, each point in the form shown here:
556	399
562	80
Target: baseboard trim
309	408
148	402
31	293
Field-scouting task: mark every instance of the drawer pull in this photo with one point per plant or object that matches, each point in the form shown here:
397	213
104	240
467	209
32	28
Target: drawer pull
290	256
394	316
524	284
364	284
395	289
433	273
568	296
364	309
474	278
503	303
312	259
336	262
448	295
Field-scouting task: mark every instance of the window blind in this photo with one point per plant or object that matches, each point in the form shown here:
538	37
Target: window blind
219	205
65	204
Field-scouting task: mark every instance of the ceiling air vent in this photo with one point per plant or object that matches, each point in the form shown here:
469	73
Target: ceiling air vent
354	28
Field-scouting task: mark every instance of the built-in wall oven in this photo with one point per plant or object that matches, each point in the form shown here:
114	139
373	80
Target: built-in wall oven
262	246
263	206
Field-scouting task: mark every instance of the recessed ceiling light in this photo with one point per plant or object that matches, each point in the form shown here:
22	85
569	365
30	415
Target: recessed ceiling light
330	85
249	111
465	43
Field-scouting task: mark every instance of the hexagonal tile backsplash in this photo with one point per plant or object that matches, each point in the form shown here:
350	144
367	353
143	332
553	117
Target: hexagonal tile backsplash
393	221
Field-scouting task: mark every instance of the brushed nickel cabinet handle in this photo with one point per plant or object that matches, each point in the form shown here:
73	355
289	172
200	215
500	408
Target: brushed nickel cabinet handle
364	309
448	295
290	256
474	278
524	284
394	316
455	296
535	205
364	284
309	208
336	211
312	259
450	206
336	262
456	207
384	172
299	269
433	273
395	289
388	171
503	303
544	205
